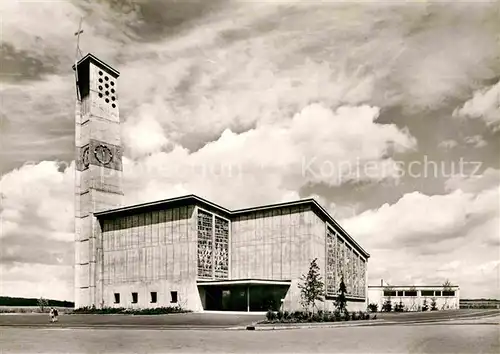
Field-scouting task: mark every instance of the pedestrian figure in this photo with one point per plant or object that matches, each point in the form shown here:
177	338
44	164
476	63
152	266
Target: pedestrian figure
55	315
51	314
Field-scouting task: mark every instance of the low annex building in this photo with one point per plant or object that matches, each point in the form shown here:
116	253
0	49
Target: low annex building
414	297
188	251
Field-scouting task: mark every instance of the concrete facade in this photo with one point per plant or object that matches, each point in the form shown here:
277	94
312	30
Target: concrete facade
188	251
413	297
98	168
162	247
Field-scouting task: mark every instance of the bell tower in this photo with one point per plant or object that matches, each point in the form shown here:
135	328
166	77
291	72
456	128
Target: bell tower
98	170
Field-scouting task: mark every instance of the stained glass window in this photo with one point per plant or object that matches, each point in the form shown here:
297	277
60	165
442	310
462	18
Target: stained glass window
221	256
205	244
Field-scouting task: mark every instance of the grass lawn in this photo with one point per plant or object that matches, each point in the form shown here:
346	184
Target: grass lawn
177	320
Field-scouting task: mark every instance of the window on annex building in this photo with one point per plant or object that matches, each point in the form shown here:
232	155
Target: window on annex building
154	297
410	293
449	293
173	297
427	292
117	298
134	298
390	293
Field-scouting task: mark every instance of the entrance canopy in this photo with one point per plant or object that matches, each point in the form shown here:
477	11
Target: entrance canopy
243	294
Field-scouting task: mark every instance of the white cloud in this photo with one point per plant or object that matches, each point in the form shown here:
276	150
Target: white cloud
35	280
476	141
448	144
266	163
36	194
474	183
143	137
431	238
484	105
248	63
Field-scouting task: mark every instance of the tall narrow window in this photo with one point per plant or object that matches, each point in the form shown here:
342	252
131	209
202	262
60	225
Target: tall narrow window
117	298
173	297
153	297
134	298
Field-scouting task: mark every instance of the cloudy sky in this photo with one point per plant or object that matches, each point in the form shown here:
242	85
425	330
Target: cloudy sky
386	112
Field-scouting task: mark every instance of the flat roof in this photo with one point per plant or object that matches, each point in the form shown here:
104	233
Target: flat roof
244	282
99	62
409	286
194	199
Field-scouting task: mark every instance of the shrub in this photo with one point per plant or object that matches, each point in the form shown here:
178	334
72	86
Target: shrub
425	306
320	316
329	316
298	316
270	315
433	305
387	306
373	307
399	307
121	310
317	317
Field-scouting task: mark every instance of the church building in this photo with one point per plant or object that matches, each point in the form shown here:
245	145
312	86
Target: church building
188	251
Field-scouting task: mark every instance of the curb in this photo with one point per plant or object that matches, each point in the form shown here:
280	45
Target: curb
264	327
277	328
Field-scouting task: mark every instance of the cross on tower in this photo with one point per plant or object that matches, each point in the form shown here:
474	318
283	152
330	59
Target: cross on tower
78	55
77	34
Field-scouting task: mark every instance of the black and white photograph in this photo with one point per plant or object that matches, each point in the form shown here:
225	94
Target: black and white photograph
243	176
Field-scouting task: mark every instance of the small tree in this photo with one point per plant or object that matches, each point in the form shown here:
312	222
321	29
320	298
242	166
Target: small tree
341	301
373	307
433	304
387	305
425	306
447	288
399	307
413	291
312	287
42	303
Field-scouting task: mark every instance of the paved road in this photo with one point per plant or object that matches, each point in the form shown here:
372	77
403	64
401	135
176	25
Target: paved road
442	339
